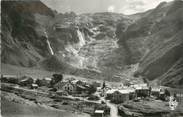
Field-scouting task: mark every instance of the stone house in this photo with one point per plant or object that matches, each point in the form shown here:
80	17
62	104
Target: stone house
109	94
155	91
141	90
26	81
9	79
66	86
120	96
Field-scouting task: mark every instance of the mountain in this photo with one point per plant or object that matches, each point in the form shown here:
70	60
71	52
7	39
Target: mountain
98	45
33	35
161	31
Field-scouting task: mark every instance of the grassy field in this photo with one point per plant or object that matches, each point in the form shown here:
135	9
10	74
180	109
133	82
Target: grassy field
12	109
19	71
39	73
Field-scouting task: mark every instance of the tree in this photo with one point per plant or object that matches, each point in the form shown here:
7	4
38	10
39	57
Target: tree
167	93
56	78
92	89
38	82
104	85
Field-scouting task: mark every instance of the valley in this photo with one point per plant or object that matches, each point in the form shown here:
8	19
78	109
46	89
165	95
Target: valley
118	51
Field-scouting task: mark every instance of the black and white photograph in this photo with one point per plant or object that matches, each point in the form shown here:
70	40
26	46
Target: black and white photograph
91	58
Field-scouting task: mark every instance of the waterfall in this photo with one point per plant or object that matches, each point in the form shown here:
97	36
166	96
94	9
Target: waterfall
81	38
73	50
49	45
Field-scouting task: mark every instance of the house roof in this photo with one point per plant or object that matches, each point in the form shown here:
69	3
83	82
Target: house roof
111	91
82	87
123	91
9	76
156	89
99	111
34	85
74	81
126	90
47	78
61	83
25	78
130	90
140	86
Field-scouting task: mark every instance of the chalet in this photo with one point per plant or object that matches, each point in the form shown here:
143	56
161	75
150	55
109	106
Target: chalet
142	90
162	95
155	91
45	81
109	94
82	89
26	81
9	79
132	93
66	86
120	96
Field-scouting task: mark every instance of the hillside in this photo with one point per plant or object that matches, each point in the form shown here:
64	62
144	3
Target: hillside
8	110
161	31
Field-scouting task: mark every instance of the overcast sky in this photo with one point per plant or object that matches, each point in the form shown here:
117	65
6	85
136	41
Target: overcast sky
92	6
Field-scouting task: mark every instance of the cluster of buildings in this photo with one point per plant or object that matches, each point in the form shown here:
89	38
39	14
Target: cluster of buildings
74	87
56	83
82	88
132	92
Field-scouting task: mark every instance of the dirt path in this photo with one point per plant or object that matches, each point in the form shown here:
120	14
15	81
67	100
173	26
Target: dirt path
114	109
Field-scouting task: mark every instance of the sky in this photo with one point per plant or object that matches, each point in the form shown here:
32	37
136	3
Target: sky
91	6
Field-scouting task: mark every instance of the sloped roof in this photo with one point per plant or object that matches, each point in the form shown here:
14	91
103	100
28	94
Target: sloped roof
99	111
111	91
74	81
156	89
140	86
9	76
82	87
124	91
60	84
47	78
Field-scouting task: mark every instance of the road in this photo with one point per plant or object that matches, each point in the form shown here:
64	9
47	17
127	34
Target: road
114	109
